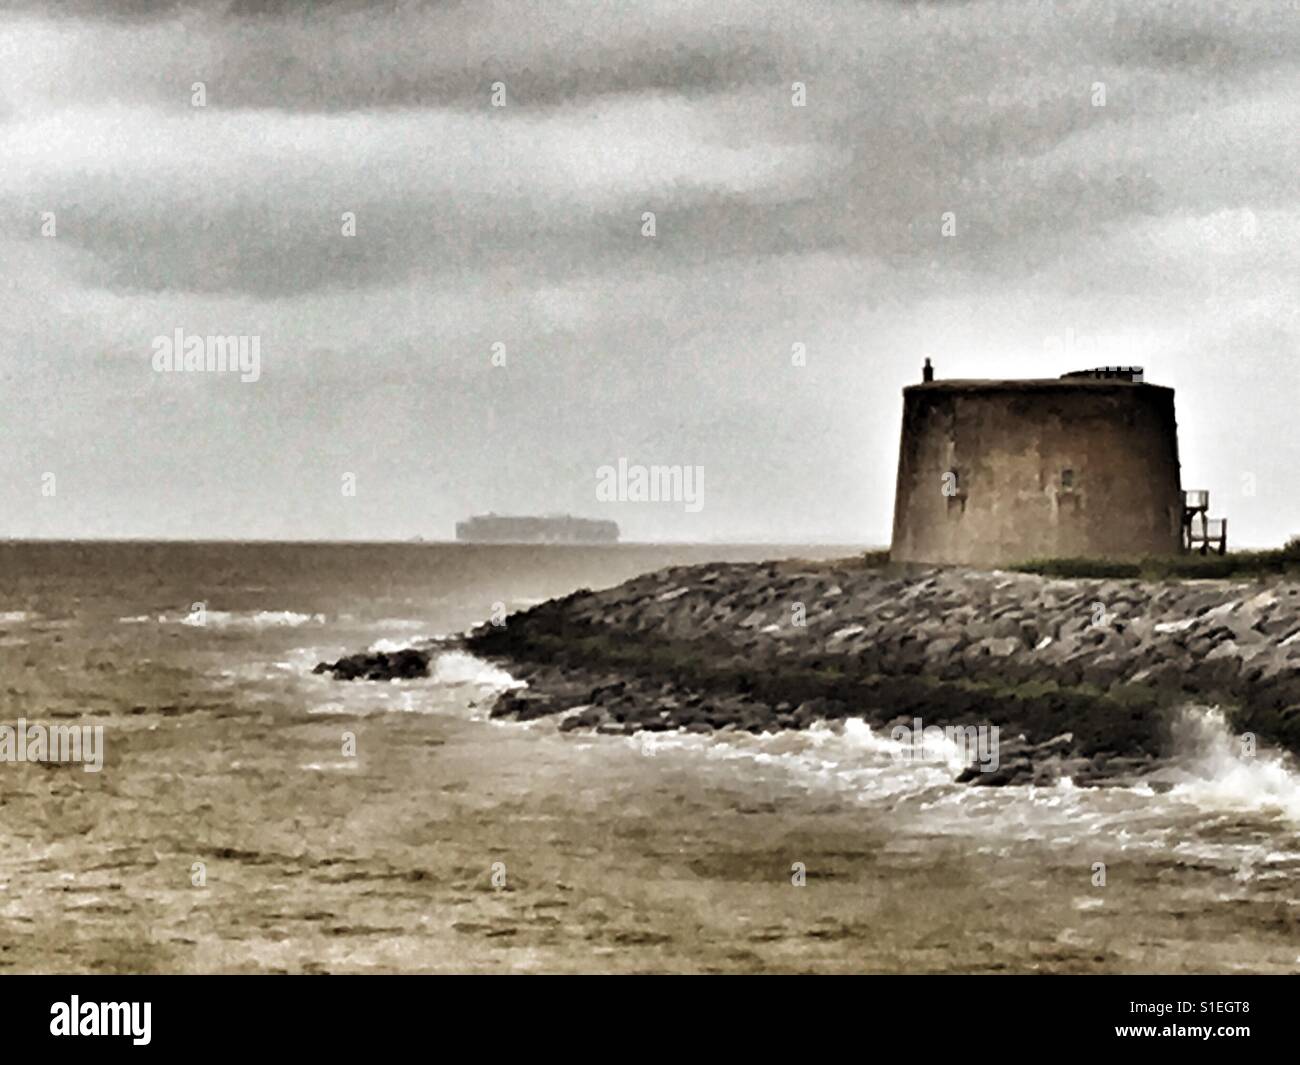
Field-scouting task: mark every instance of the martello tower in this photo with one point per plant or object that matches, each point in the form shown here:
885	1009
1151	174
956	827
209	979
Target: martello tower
997	472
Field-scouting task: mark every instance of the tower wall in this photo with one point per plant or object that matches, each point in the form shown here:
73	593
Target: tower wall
1044	469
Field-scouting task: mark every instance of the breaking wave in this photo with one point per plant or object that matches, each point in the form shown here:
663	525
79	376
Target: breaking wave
458	668
1221	770
226	619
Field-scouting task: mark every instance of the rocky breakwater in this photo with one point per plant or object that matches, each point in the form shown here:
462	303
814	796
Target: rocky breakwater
1080	677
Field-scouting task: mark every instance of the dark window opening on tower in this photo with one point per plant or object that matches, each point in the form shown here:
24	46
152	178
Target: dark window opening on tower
1067	479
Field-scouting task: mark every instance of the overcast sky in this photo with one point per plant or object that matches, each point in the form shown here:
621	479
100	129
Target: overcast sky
1162	228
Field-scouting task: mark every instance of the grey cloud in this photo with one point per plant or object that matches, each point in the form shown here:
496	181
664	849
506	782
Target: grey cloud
775	225
263	75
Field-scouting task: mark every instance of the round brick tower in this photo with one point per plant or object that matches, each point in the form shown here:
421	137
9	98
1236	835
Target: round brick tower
991	473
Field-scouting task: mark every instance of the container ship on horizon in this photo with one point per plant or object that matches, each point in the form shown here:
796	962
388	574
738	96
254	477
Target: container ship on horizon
551	529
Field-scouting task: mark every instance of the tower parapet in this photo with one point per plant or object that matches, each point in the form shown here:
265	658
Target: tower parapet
1108	373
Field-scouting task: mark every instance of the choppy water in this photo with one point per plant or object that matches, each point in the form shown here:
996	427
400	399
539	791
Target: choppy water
654	852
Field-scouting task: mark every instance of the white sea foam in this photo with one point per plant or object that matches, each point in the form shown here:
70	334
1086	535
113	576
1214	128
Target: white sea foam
14	617
1220	774
228	619
458	682
1213	773
846	757
456	668
387	645
276	618
856	764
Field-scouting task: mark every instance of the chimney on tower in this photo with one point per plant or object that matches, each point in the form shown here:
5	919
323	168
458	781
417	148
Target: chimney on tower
927	371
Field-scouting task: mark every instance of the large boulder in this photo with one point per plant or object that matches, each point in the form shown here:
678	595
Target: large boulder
405	664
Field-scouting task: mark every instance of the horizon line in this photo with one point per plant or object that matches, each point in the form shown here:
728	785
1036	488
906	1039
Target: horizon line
421	542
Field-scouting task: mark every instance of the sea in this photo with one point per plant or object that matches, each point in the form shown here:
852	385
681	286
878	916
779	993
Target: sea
250	816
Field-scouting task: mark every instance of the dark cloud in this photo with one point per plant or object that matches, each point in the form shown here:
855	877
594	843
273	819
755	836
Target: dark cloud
108	10
144	10
1164	222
